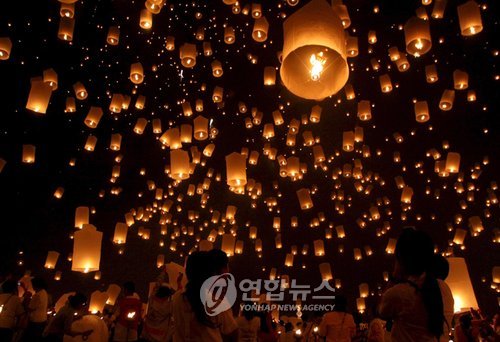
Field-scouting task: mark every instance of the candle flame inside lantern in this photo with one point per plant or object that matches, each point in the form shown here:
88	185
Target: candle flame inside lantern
317	61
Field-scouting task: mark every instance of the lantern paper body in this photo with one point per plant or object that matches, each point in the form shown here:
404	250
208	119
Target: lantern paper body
51	260
469	17
417	36
5	48
305	200
87	249
236	170
460	285
314	52
121	230
179	164
29	154
39	97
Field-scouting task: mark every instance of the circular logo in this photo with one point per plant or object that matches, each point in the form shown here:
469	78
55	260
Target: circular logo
218	293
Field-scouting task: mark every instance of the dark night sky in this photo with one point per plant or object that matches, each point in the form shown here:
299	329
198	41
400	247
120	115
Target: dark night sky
34	221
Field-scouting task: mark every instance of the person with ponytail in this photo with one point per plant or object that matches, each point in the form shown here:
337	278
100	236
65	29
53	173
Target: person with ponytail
414	300
191	322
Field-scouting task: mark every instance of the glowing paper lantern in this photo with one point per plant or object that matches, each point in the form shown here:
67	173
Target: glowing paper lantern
90	143
446	102
86	249
81	216
97	302
5	48
120	236
364	290
319	248
348	141
421	111
236	170
51	260
260	28
360	304
431	74
200	128
113	292
136	73
80	91
385	83
452	162
269	76
179	164
460	285
305	200
66	28
50	77
460	79
406	195
417	36
326	271
469	17
228	242
188	55
28	154
146	19
39	96
229	35
364	110
113	37
93	117
116	141
314	52
352	49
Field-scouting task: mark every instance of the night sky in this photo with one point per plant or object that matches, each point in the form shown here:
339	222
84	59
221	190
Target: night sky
34	221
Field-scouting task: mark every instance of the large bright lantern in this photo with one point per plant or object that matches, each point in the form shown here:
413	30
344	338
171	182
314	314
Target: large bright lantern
460	285
314	52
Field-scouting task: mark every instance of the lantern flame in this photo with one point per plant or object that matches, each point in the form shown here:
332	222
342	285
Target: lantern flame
317	61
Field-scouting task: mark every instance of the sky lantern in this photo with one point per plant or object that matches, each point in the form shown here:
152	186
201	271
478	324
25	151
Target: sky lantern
236	169
188	55
446	102
229	35
115	143
146	19
179	164
431	74
314	52
51	260
28	156
421	111
417	36
348	141
364	110
352	49
50	77
260	28
5	48
67	10
469	17
269	76
460	285
93	117
81	216
97	302
326	271
66	28
136	73
39	96
385	83
305	200
80	91
86	249
217	68
460	80
120	236
452	162
406	195
200	128
113	37
360	305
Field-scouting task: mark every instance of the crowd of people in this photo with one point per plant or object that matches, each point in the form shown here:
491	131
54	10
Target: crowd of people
417	305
